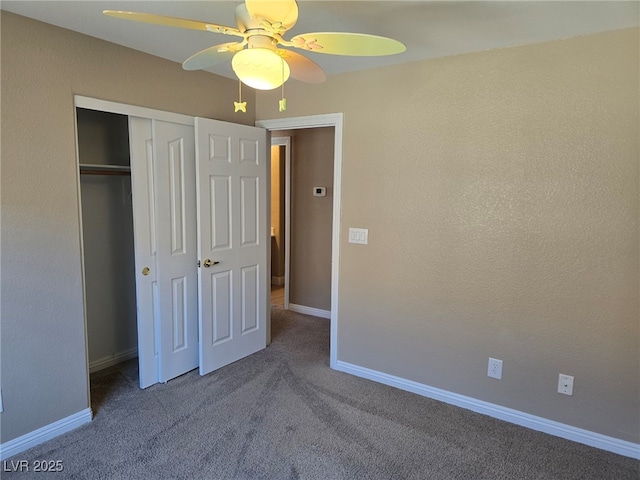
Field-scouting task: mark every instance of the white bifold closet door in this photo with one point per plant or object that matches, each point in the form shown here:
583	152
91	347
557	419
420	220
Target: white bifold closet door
201	243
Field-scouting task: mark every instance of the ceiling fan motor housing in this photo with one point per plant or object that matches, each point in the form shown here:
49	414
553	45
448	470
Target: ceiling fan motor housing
245	21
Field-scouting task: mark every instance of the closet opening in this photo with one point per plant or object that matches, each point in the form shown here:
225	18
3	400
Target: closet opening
107	238
144	303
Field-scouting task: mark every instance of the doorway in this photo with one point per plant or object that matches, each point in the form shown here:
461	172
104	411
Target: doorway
303	223
280	219
317	121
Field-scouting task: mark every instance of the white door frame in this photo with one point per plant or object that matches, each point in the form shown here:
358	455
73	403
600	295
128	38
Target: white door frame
327	120
286	143
131	110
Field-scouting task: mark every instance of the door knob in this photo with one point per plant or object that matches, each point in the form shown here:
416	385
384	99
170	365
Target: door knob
146	271
209	263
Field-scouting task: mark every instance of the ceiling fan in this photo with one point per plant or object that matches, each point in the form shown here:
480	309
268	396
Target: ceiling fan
258	59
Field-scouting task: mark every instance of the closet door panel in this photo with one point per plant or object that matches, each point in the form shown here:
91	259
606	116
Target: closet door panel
145	245
178	228
176	258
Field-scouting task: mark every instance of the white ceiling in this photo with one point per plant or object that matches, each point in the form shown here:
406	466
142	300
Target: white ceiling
429	29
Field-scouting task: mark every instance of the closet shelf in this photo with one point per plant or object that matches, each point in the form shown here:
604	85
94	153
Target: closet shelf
93	169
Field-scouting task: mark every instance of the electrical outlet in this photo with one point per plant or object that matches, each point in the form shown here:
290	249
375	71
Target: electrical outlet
565	384
495	368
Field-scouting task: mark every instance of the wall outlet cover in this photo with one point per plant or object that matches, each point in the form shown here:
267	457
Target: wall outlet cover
494	369
565	384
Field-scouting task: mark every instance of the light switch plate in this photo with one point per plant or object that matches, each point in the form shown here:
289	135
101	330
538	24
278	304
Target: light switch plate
359	235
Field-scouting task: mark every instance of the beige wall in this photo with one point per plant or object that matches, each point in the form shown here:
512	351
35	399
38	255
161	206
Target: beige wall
500	190
311	217
44	377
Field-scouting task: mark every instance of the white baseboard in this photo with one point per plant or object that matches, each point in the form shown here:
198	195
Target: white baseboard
316	312
604	442
111	360
277	281
41	435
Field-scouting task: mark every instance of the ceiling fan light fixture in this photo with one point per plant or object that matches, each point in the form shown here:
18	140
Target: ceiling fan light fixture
260	68
257	59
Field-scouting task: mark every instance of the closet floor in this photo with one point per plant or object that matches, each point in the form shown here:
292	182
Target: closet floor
107	384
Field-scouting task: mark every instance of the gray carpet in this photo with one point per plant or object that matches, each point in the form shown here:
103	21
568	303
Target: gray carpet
283	414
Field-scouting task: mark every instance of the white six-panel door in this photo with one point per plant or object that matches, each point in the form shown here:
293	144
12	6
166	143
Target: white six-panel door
225	303
232	241
176	255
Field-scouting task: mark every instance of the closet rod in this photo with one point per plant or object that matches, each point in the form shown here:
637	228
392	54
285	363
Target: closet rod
94	169
103	172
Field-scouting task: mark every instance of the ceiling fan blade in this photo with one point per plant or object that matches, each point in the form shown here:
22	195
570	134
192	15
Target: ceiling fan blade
212	56
355	44
282	11
173	22
302	68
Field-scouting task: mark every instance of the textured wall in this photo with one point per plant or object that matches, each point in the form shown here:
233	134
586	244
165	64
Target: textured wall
311	217
500	190
44	366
